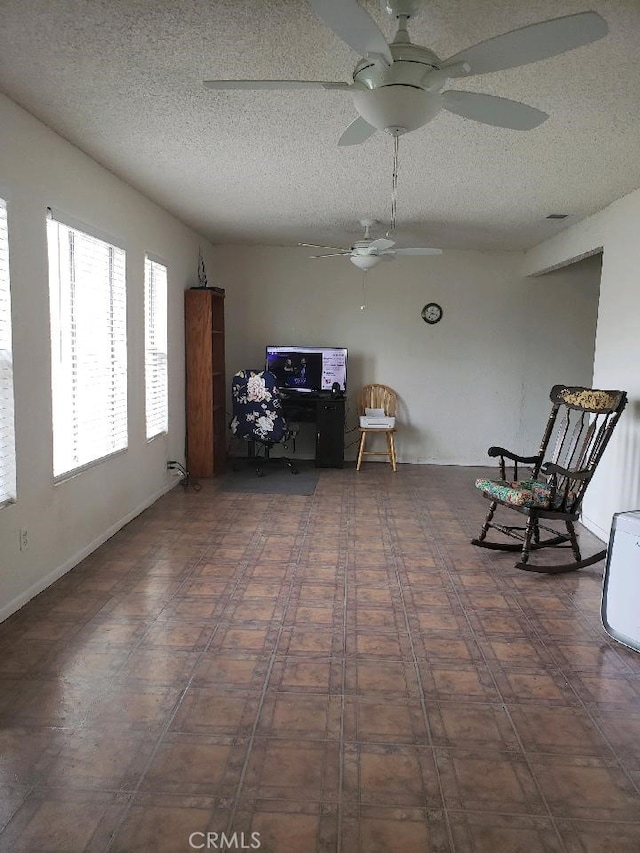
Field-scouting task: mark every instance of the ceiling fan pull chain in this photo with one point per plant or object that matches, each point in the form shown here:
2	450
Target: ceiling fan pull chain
364	291
394	186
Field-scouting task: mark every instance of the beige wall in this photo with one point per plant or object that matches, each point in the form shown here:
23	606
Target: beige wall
479	377
616	487
67	521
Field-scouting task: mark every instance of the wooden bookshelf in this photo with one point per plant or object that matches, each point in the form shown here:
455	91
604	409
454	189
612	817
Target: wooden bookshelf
205	382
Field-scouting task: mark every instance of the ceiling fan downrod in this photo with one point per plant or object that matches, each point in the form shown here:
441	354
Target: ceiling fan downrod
394	185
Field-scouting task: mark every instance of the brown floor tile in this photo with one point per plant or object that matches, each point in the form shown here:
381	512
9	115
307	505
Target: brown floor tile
196	764
540	686
63	822
563	731
385	721
353	674
393	679
462	682
476	832
284	831
391	775
290	769
177	635
596	656
158	666
304	675
585	836
165	824
92	760
398	832
484	780
586	788
133	708
305	716
54	703
306	642
622	731
23	753
472	726
239	669
213	711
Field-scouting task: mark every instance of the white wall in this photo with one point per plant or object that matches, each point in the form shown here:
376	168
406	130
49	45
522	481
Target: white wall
66	521
479	377
616	486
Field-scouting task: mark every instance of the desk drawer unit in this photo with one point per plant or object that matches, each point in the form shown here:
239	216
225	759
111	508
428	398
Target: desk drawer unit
330	433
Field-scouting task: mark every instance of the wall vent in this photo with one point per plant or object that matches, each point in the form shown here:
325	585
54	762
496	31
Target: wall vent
557	216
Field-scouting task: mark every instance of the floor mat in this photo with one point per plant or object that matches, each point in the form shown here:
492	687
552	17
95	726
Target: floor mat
278	479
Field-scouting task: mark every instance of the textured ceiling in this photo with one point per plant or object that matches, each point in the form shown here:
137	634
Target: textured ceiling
123	82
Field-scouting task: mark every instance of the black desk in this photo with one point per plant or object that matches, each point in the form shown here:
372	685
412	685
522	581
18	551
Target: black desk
327	413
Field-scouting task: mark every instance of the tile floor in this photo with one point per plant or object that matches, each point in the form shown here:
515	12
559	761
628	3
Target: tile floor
341	672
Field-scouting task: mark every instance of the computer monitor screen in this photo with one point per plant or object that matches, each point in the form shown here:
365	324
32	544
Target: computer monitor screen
308	369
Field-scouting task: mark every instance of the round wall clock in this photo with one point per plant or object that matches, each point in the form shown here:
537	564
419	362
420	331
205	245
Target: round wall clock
431	313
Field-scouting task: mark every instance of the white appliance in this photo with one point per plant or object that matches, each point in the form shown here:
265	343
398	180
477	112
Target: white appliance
373	418
621	589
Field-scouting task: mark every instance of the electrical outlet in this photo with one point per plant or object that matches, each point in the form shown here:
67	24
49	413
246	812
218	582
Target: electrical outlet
24	538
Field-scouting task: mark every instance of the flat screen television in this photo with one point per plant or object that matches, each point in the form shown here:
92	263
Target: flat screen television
308	369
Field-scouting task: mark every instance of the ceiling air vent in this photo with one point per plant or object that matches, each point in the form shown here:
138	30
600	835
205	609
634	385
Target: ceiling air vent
557	216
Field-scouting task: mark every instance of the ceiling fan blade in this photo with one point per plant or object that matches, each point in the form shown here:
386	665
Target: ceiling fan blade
321	246
276	84
530	44
381	243
331	255
489	109
416	251
355	26
357	132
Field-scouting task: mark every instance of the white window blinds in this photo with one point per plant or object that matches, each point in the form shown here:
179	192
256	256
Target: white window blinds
87	287
155	348
7	432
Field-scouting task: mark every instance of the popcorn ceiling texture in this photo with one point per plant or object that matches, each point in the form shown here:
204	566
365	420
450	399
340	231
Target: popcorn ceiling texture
123	82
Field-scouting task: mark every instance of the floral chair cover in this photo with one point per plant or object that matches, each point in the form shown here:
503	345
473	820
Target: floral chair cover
257	410
527	493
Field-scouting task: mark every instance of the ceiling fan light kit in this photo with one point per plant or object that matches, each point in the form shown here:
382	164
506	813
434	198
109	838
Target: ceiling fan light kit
397	109
365	262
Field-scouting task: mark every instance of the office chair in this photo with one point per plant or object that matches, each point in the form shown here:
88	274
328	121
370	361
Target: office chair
257	416
578	430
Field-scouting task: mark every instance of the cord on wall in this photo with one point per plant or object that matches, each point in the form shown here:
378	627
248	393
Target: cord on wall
187	479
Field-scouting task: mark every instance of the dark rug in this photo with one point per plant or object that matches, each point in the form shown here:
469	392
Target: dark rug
277	480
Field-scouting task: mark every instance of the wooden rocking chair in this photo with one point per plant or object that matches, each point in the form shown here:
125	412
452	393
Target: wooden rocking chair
579	428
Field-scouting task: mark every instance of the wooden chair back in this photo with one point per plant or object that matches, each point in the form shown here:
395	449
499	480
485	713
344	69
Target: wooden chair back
580	425
377	397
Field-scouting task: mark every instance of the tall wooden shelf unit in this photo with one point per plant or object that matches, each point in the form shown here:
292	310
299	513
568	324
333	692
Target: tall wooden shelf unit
205	381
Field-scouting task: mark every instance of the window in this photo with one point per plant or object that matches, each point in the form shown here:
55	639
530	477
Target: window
87	289
155	347
7	431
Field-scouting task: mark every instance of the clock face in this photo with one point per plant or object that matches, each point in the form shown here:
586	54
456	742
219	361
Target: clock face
432	313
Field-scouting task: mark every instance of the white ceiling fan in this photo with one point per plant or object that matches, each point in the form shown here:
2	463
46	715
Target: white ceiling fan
366	253
399	87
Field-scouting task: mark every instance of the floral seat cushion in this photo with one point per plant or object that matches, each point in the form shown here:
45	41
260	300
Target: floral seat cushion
525	493
256	406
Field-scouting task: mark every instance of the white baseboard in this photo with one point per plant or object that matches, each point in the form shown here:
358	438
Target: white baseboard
595	529
58	572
